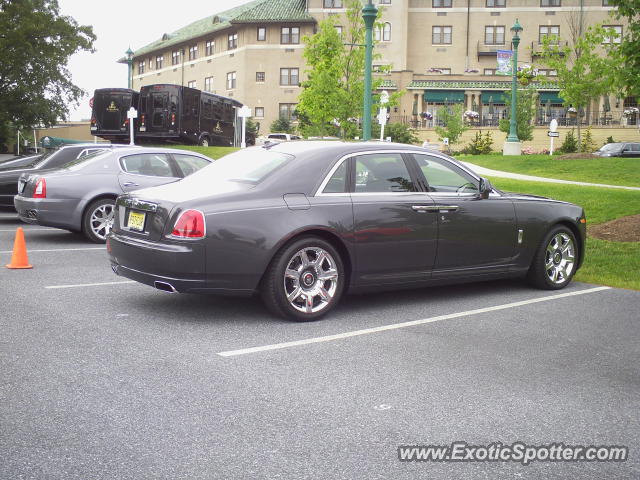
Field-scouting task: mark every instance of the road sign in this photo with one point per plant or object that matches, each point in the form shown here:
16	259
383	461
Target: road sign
553	134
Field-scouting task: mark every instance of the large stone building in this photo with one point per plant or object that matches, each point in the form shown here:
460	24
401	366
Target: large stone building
441	51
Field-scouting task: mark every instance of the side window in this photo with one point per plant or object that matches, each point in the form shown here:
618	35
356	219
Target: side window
189	164
382	172
635	147
150	164
443	177
338	181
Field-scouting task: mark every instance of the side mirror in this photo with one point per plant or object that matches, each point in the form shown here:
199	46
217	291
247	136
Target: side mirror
485	188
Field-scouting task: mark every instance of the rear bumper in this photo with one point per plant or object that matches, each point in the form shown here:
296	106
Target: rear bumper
181	266
47	212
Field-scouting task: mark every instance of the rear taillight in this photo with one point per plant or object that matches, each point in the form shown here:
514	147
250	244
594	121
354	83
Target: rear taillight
142	119
173	119
93	121
40	191
190	224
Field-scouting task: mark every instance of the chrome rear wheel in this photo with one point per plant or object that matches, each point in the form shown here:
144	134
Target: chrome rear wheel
311	280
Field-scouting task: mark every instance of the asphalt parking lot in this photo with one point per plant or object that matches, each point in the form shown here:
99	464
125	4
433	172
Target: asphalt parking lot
103	378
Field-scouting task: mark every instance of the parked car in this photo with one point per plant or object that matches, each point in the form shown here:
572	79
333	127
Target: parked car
81	195
628	149
54	159
304	222
279	137
19	161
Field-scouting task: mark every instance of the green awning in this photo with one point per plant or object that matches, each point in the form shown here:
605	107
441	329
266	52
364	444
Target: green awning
551	97
440	96
497	97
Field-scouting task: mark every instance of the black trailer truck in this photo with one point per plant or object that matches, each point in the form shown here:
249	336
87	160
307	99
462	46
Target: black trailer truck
109	113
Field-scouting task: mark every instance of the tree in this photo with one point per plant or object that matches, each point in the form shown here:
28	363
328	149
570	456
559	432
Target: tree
282	125
583	73
332	95
454	125
399	132
35	45
525	111
627	52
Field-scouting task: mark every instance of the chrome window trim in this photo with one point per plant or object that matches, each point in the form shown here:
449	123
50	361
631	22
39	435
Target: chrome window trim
322	186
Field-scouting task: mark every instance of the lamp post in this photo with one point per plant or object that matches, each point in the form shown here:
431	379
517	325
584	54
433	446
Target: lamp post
369	14
512	145
129	54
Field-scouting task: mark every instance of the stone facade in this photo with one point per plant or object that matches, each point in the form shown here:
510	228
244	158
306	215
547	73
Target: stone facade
440	51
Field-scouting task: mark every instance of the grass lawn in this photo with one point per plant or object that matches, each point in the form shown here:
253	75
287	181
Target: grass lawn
608	263
211	152
610	171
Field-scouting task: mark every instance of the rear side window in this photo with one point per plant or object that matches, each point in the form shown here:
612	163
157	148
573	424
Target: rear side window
189	164
338	181
382	173
150	164
635	147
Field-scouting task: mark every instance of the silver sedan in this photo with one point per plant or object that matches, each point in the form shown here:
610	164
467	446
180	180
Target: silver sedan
81	195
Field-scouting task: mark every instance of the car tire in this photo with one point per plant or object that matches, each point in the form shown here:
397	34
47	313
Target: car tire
98	219
304	281
555	261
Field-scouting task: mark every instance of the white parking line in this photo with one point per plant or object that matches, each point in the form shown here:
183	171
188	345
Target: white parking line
394	326
90	284
60	250
32	229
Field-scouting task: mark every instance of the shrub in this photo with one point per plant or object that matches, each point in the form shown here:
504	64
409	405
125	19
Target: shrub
587	144
610	140
570	143
480	144
453	124
399	132
282	125
528	151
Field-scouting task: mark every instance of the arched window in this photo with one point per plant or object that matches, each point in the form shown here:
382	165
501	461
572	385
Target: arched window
386	32
378	34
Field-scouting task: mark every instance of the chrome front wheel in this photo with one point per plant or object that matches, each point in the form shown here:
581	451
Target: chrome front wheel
556	260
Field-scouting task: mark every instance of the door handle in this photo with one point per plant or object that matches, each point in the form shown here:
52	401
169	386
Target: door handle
425	208
130	184
447	208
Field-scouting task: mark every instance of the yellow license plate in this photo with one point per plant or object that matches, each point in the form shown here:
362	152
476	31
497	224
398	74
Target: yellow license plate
136	221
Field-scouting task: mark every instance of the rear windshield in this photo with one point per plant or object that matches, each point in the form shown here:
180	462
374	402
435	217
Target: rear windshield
40	160
251	166
79	162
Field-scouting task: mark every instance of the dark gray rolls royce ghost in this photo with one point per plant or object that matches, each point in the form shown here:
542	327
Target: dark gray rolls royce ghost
81	195
303	222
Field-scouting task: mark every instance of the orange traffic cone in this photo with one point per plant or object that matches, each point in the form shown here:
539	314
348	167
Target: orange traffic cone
19	258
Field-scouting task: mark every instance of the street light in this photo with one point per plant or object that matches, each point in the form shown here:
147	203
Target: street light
129	54
369	14
512	145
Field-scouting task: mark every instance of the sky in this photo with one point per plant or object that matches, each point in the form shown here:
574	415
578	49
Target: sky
120	24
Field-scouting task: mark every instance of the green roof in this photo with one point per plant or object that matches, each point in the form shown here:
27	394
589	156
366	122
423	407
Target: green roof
270	11
390	84
470	85
257	11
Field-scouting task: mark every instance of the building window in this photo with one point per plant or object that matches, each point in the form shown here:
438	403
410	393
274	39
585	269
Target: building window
258	112
262	34
385	2
191	84
551	31
210	47
232	41
175	57
441	3
231	80
151	64
290	35
159	62
386	32
496	3
489	71
141	67
260	77
288	111
547	72
208	84
193	52
617	34
605	3
289	76
338	29
494	35
441	35
550	3
332	3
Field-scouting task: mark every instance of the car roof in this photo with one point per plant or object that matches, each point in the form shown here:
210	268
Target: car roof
128	149
307	146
